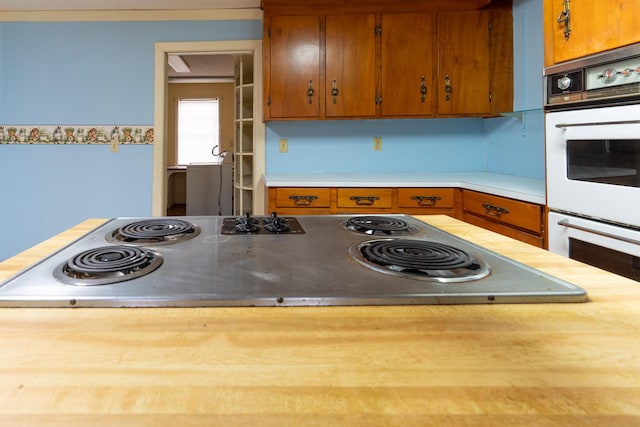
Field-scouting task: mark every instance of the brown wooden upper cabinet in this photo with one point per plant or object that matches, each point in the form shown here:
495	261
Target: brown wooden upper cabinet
295	61
350	54
573	29
463	63
375	58
409	64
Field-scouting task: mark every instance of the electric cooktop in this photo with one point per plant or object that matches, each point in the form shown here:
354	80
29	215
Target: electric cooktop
277	261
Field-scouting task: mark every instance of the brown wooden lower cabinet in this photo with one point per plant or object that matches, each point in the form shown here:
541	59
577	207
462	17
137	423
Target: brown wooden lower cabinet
520	220
359	200
300	200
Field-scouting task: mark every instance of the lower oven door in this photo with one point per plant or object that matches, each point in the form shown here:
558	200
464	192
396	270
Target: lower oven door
610	247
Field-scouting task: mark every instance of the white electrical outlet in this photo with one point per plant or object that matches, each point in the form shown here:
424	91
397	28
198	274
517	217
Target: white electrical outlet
377	143
284	145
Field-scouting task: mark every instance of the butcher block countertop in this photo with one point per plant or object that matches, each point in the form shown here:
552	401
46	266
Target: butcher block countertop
572	364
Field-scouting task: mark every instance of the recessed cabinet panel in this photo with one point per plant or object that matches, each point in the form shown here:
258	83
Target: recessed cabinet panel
350	77
408	64
464	64
366	198
425	197
295	67
593	26
507	211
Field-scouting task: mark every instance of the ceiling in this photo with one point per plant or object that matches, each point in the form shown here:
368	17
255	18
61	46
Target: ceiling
126	4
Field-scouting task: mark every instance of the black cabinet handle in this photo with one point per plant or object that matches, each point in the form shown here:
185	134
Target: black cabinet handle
365	200
303	200
426	200
496	211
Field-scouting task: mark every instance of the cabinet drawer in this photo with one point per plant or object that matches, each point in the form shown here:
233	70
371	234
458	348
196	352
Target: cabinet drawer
515	213
364	197
296	197
428	198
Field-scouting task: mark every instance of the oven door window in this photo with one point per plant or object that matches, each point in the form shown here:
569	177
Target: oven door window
607	259
607	161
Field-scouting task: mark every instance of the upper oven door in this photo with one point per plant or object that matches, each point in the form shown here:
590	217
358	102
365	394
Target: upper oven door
593	162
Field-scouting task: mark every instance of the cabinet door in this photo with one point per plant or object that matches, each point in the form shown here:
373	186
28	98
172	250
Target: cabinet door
350	75
294	67
463	55
408	64
595	25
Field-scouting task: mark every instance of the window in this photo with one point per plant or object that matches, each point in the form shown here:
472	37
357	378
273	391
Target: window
198	130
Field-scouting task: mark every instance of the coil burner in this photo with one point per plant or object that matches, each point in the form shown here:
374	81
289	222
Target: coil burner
379	226
159	231
107	265
420	259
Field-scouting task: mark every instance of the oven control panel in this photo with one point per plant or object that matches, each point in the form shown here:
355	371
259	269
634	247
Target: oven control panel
612	78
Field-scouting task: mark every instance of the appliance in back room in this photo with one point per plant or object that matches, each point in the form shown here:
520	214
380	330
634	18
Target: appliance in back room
592	134
277	261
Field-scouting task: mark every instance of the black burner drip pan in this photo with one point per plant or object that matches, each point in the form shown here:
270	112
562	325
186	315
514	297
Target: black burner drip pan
155	231
261	225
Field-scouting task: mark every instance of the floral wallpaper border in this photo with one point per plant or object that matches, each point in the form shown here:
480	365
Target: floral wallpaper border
75	134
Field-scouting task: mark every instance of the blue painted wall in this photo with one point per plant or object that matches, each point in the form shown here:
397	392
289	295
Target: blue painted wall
102	73
408	145
516	146
82	73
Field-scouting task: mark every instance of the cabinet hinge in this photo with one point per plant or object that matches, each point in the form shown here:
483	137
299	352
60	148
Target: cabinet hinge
378	30
490	26
269	100
490	96
379	99
269	32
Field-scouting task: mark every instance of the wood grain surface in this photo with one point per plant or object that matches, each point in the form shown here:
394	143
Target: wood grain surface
486	365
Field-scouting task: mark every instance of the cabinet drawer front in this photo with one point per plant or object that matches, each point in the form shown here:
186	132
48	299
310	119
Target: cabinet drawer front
303	198
425	198
364	197
508	211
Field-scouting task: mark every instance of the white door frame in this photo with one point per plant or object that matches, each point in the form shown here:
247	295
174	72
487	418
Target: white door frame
162	49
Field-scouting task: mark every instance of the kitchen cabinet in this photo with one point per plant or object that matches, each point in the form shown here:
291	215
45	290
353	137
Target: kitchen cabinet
408	64
581	28
428	200
371	200
350	77
524	221
342	200
463	63
300	200
361	62
520	220
292	67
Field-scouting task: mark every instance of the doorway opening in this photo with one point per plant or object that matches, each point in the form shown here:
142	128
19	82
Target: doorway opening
162	157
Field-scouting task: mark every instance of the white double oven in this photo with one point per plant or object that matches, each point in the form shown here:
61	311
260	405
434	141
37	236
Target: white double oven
592	134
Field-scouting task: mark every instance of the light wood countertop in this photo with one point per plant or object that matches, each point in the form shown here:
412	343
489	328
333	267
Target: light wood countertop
487	365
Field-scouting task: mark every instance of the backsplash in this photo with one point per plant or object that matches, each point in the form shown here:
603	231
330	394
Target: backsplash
75	134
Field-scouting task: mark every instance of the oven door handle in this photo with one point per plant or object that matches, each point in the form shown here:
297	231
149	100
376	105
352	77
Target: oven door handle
566	223
620	122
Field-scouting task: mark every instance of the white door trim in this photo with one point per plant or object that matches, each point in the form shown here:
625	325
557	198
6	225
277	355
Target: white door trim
162	49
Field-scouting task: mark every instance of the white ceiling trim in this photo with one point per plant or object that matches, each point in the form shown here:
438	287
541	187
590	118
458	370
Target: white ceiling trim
131	15
126	4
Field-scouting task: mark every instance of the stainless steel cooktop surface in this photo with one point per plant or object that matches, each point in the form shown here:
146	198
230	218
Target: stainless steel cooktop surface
277	261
